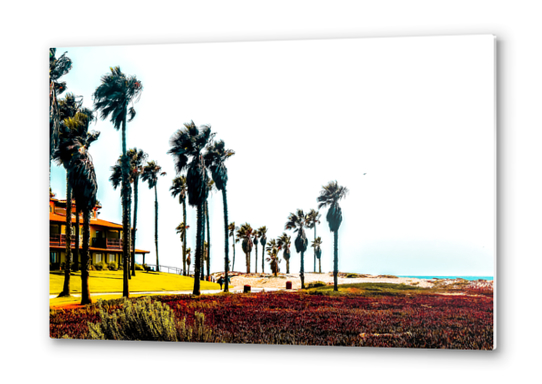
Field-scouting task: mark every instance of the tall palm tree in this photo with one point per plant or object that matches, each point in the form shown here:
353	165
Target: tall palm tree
181	231
188	260
255	240
231	232
112	99
314	219
150	174
58	67
187	146
211	186
284	242
179	188
137	160
317	245
329	197
215	159
273	259
298	222
246	233
82	178
74	126
262	231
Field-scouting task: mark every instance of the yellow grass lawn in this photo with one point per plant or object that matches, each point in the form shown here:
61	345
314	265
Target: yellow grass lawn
111	281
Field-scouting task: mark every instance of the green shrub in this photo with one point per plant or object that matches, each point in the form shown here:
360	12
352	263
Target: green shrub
147	320
91	267
352	275
316	284
112	266
101	266
139	267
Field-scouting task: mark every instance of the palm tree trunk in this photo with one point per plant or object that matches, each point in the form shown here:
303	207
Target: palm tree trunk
67	265
314	248
226	239
76	261
199	246
288	266
302	270
335	259
263	257
85	293
247	260
136	182
184	238
256	257
233	247
320	264
125	211
156	228
208	240
201	276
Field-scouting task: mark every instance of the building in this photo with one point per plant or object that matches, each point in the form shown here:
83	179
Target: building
105	236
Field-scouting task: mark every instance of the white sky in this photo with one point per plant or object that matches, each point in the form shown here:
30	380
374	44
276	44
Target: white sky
415	114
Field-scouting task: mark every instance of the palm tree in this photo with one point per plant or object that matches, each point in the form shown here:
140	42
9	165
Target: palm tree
314	219
58	67
246	233
284	242
181	230
150	174
273	259
231	233
262	231
137	160
112	98
211	186
188	260
298	221
255	237
316	244
74	126
187	145
179	188
329	197
73	151
215	159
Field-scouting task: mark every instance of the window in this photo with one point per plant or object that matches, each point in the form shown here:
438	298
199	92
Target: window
111	258
54	257
98	258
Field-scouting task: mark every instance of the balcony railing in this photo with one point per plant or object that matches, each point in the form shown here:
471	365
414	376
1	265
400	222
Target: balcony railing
60	240
107	243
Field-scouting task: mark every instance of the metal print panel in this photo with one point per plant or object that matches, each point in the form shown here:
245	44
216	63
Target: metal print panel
326	193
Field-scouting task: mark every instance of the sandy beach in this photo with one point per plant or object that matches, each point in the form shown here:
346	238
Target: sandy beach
260	280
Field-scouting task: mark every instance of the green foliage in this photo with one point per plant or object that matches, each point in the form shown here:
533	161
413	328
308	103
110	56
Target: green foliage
112	266
139	267
316	284
101	266
147	320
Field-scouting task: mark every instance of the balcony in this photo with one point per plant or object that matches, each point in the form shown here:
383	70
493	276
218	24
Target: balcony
106	243
60	240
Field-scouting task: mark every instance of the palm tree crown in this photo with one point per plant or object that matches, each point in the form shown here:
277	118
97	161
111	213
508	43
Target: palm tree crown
179	188
329	197
114	94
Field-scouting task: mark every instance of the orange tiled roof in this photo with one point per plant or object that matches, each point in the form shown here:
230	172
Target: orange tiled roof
105	250
99	222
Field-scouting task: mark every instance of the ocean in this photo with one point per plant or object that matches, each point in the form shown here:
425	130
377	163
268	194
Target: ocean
451	277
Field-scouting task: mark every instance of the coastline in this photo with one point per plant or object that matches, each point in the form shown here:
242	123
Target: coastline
260	280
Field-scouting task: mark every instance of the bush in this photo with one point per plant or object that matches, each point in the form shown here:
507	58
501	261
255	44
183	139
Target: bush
316	284
139	267
147	320
101	266
91	267
112	266
352	275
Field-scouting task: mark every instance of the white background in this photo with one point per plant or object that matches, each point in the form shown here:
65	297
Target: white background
27	32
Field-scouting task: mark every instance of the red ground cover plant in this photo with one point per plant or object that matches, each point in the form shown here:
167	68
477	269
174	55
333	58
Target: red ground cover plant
413	321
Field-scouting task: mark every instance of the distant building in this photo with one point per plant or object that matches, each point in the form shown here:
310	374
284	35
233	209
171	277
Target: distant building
105	236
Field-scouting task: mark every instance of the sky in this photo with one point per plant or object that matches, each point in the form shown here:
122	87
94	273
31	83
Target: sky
406	124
